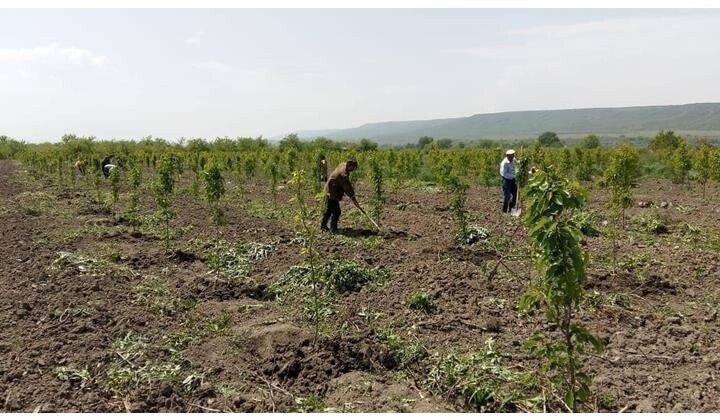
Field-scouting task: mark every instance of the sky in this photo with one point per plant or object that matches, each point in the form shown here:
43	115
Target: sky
190	73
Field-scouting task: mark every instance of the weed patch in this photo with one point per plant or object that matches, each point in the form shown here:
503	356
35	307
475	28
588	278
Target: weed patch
404	350
231	260
420	300
90	266
484	381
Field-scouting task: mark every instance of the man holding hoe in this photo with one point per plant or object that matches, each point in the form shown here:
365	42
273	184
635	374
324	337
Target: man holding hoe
337	186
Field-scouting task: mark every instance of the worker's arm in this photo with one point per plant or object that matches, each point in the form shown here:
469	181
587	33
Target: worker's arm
350	192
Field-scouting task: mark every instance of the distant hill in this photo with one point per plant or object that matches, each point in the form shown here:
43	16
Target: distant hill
691	118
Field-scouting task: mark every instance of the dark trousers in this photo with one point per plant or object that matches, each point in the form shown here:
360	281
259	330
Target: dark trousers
332	212
509	188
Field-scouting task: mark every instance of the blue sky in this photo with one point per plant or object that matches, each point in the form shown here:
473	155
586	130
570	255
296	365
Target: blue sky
208	73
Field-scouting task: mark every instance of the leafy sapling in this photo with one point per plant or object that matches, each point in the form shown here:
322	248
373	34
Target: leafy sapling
314	306
555	239
162	188
621	173
214	192
377	198
134	195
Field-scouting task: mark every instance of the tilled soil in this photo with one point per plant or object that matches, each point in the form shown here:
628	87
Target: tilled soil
236	349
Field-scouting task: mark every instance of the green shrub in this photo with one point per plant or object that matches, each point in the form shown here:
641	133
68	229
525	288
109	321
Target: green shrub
420	300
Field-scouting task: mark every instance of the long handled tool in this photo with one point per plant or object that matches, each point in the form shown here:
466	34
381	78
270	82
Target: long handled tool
515	212
369	218
517	209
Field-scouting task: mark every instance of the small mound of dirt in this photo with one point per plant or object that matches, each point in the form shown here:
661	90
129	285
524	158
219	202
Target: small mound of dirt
655	284
477	257
91	208
366	392
264	341
215	288
183	257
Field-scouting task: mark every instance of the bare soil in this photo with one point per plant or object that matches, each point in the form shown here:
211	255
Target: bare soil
663	352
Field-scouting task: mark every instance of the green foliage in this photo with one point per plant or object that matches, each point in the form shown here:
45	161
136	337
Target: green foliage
231	260
600	300
377	197
587	221
343	276
583	165
665	140
715	165
367	145
566	164
702	164
274	177
404	350
484	381
130	367
621	173
309	404
332	277
555	240
424	141
650	224
315	302
522	173
156	295
680	163
81	376
10	148
214	192
162	187
549	139
115	178
134	195
420	300
458	197
591	141
475	234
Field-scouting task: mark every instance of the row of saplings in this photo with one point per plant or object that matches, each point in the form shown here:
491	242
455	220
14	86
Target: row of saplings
554	233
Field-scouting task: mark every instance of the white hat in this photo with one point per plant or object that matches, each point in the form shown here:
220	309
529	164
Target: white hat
510	152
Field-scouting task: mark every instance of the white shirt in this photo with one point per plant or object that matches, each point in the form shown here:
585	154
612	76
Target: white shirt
507	168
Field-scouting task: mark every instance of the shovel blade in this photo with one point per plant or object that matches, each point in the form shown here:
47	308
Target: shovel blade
516	212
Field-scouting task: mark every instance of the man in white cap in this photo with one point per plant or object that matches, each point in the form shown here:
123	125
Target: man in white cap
507	171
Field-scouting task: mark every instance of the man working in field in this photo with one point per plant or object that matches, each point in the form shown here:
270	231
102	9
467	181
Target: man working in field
337	186
106	166
322	169
509	187
81	166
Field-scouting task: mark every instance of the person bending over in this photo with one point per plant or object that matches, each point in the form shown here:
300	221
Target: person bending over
337	186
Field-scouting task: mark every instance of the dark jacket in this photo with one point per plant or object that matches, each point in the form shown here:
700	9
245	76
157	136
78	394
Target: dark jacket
322	171
338	184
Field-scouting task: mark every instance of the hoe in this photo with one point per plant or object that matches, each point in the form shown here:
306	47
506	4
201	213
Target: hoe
517	210
384	232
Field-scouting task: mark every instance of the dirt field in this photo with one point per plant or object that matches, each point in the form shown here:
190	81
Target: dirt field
133	308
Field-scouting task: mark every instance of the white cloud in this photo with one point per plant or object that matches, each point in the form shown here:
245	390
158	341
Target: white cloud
615	62
635	37
214	66
53	53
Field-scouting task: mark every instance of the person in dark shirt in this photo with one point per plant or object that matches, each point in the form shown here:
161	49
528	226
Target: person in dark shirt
322	169
337	186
